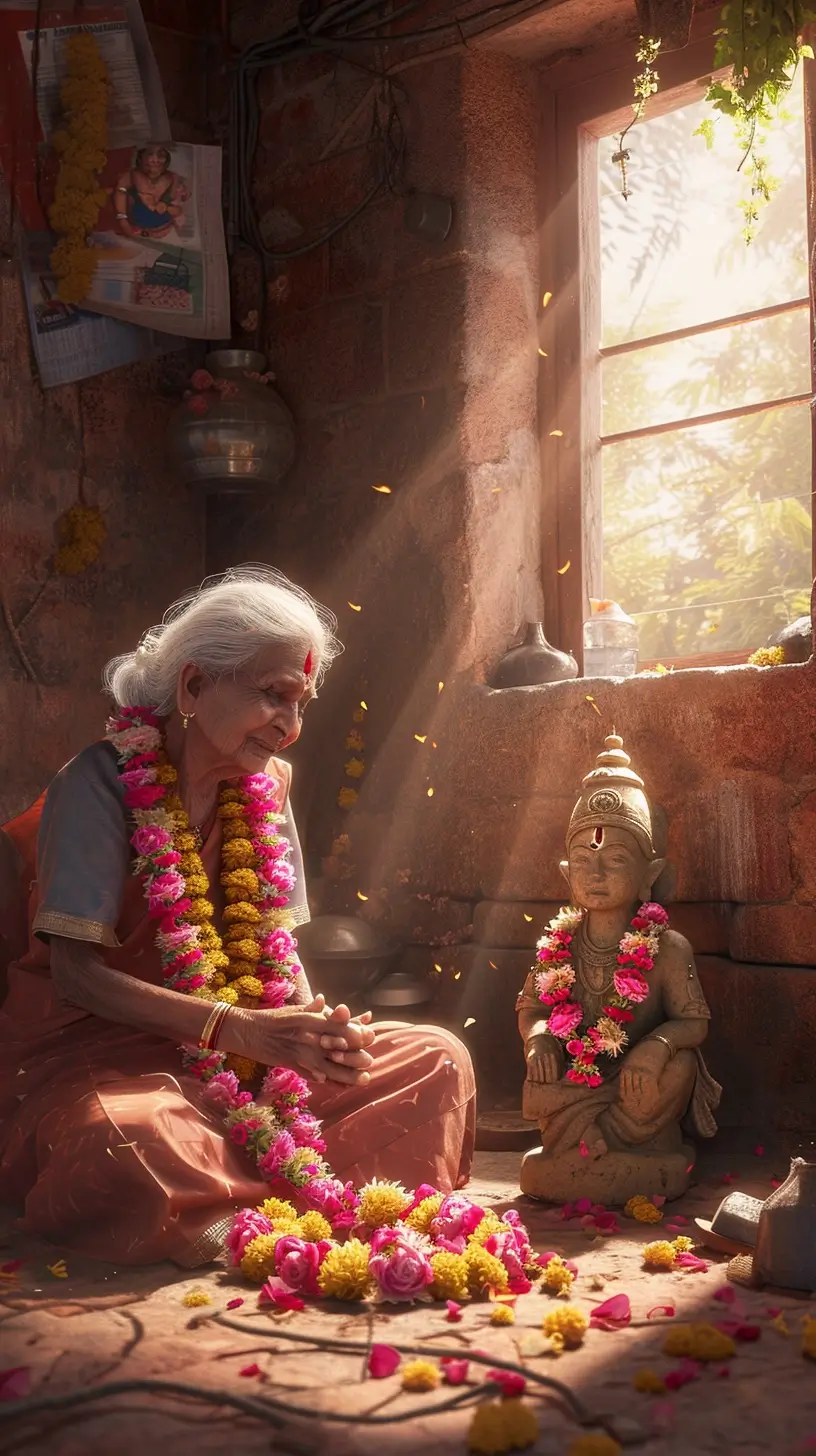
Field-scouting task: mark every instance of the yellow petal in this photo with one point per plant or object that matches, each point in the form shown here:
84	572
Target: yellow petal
528	918
556	434
439	686
471	1021
593	704
545	300
543	353
430	793
361	896
456	976
364	706
437	967
354	607
562	570
420	737
382	489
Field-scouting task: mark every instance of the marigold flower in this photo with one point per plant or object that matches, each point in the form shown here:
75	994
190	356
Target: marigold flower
502	1314
237	852
354	741
648	1382
344	1273
420	1217
276	1209
485	1271
594	1443
502	1425
347	798
568	1322
243	1067
249	986
450	1275
643	1210
355	768
557	1277
489	1224
419	1375
258	1262
195	1298
313	1227
682	1244
659	1255
241	910
381	1204
698	1342
230	995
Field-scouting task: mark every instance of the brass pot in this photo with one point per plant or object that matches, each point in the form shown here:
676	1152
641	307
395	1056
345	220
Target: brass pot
239	441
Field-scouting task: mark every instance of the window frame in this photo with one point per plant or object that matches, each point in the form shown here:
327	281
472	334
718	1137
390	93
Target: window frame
583	102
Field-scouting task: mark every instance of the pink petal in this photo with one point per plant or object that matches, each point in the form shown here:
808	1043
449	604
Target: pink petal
667	1309
658	1199
454	1313
572	1266
250	1370
726	1294
454	1372
759	1151
606	1219
692	1263
613	1314
739	1330
727	1178
679	1218
510	1384
583	1205
544	1258
583	1149
275	1292
15	1384
383	1361
234	1303
724	1372
672	1228
683	1374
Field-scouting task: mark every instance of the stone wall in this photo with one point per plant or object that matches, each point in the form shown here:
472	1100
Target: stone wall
414	365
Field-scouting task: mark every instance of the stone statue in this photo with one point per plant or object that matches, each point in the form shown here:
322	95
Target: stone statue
613	1015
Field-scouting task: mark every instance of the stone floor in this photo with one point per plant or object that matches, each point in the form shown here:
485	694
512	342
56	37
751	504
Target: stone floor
101	1324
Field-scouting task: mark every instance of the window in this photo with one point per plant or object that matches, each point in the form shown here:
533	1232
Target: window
677	436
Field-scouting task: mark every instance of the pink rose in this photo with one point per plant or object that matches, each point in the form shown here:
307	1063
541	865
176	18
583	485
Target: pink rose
281	1149
503	1245
563	1020
402	1271
652	913
425	1190
383	1361
144	798
221	1090
456	1216
297	1263
202	379
305	1130
246	1226
276	993
279	945
283	1082
455	1372
630	985
510	1383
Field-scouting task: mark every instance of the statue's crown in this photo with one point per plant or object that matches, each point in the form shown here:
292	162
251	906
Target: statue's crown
612	795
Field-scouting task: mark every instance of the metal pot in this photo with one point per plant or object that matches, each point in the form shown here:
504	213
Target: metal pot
239	441
344	956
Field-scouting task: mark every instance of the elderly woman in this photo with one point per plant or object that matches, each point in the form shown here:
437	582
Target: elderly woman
108	1138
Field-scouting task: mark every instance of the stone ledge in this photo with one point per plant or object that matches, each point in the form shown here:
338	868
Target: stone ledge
774	934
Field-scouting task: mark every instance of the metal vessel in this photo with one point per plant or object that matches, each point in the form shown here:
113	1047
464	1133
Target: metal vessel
237	441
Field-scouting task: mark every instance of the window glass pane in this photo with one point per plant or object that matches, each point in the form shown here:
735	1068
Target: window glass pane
673	253
707	532
764	360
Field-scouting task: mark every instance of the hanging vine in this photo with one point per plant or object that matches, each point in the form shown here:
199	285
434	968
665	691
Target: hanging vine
761	41
646	84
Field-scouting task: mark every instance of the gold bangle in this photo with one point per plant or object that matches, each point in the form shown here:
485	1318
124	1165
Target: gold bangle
665	1041
212	1026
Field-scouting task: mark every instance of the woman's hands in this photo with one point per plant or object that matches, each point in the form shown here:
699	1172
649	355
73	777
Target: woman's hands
326	1044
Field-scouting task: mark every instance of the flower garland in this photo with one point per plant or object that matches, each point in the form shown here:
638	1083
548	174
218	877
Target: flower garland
256	963
82	147
636	957
399	1247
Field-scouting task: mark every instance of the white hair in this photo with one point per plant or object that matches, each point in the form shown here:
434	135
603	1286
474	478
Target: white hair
221	626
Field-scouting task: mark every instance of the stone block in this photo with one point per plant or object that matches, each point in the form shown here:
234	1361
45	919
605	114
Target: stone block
803	849
520	844
730	840
476	990
707	927
762	1043
515	924
425	329
775	934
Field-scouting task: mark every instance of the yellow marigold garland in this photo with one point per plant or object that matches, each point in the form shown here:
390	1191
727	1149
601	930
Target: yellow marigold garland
82	147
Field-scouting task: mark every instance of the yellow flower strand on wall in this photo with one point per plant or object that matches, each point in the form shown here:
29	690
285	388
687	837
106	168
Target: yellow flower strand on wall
81	533
82	147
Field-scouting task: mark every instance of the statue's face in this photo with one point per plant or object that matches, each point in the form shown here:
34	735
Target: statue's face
607	869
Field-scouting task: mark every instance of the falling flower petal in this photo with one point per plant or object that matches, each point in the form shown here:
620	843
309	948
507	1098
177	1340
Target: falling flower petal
234	1303
15	1384
672	1228
457	974
471	1021
437	967
661	1309
545	300
592	702
454	1313
58	1270
382	489
543	353
527	917
383	1361
275	1292
430	793
250	1370
361	896
420	737
556	434
454	1372
614	1314
439	686
583	1149
364	706
354	606
759	1151
562	570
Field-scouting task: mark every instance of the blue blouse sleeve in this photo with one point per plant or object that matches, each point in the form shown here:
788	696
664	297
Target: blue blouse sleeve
83	851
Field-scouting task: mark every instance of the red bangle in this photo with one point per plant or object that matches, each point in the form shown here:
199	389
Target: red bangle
212	1026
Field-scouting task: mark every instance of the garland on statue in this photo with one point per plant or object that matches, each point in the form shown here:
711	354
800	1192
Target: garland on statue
637	953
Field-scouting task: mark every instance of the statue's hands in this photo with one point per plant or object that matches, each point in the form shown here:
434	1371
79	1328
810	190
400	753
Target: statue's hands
545	1060
642	1070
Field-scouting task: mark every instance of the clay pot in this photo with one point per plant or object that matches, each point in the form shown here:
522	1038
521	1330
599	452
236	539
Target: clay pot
785	1253
238	442
533	662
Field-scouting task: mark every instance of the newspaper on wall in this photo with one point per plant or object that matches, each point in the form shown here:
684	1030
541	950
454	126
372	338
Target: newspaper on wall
70	343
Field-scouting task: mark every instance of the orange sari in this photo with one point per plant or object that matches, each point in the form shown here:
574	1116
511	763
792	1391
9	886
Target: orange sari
104	1140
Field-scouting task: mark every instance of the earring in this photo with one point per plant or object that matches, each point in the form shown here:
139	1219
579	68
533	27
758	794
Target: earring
186	719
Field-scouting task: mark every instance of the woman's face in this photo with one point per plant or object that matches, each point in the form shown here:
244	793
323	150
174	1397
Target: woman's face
251	714
153	162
